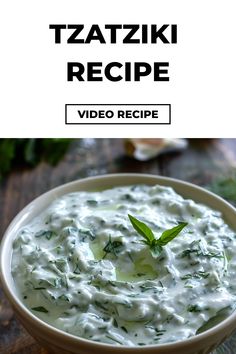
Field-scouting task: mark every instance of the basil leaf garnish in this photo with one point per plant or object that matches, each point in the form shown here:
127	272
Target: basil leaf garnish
154	244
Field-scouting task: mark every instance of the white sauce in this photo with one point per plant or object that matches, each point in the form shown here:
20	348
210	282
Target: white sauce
124	296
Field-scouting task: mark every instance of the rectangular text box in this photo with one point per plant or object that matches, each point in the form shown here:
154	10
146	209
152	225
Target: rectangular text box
118	114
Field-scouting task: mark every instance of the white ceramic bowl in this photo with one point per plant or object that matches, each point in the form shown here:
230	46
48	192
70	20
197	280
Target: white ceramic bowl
60	342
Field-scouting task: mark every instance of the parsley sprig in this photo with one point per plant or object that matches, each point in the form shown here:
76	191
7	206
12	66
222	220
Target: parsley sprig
155	245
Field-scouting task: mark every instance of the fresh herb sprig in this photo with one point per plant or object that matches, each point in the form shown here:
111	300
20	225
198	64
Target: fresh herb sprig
155	245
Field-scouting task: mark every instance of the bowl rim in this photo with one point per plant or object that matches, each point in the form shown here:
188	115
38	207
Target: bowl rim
17	303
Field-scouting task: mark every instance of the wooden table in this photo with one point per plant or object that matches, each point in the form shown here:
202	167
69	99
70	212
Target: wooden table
200	163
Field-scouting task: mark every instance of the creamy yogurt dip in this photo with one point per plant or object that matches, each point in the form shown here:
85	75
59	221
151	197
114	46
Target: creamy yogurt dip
81	266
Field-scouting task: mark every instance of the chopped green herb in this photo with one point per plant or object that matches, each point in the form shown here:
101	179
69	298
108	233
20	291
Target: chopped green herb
57	283
61	264
159	332
145	288
64	297
40	288
193	308
130	257
196	275
155	245
212	254
169	318
39	309
92	202
124	329
98	304
77	269
113	247
58	249
161	284
71	230
156	201
120	227
200	253
112	283
84	233
128	197
45	233
113	339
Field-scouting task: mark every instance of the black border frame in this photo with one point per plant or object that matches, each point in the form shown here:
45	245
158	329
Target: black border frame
118	104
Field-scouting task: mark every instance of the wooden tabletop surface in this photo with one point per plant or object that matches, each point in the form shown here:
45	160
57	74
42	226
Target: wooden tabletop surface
202	162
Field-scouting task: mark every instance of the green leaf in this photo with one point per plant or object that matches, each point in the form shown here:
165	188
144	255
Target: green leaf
39	309
169	235
154	244
142	229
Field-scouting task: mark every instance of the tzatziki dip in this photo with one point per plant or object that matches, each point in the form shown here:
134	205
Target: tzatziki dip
132	265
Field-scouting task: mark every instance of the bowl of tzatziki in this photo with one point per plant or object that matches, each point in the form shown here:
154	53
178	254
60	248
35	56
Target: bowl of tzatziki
123	263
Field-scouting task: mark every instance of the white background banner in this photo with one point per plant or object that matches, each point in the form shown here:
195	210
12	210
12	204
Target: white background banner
35	89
